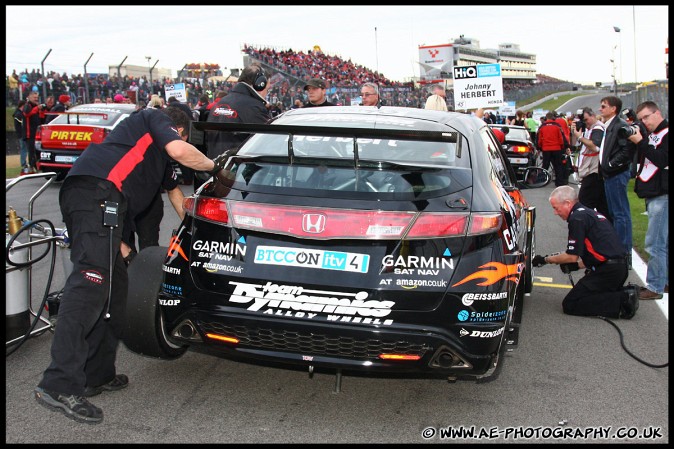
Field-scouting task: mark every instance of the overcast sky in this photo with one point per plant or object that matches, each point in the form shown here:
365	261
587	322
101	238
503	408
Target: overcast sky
571	42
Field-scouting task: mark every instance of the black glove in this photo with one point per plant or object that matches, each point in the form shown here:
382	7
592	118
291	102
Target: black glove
220	160
569	267
539	261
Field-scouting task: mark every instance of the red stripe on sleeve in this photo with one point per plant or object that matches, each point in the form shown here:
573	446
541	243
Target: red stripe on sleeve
126	165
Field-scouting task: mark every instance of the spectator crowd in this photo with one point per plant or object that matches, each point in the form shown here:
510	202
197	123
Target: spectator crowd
291	69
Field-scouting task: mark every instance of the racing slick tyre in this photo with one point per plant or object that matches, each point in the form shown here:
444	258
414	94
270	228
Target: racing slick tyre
145	333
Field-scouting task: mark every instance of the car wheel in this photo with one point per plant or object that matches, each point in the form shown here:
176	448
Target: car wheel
145	333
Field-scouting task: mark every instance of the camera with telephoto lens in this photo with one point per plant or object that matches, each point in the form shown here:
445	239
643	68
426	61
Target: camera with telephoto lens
628	130
579	121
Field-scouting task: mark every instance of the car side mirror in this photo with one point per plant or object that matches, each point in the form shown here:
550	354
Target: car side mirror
535	177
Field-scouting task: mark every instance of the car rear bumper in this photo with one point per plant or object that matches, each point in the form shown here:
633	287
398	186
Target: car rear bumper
418	349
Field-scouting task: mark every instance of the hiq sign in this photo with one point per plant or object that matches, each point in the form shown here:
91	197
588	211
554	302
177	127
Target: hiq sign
477	86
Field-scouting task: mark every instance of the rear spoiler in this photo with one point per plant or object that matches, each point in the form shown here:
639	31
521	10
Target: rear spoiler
197	133
105	116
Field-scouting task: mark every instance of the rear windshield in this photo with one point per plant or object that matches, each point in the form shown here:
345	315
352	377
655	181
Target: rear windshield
327	166
409	152
91	117
347	182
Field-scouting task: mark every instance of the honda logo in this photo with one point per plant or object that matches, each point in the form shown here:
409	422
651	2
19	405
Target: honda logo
313	223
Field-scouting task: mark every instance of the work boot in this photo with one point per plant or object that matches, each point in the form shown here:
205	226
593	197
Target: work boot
74	407
630	305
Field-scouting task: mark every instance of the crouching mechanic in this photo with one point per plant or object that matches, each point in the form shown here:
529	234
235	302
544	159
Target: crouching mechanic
108	185
593	244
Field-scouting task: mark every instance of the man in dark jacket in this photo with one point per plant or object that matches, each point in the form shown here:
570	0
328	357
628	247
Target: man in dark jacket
245	103
614	166
652	184
31	120
20	136
316	88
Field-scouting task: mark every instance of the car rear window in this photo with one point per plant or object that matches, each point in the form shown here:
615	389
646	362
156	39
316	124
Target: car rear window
520	134
91	117
408	152
326	166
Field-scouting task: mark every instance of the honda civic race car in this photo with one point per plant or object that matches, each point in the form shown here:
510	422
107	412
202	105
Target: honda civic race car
60	142
359	239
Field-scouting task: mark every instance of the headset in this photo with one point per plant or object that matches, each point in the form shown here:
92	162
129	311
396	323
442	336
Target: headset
260	80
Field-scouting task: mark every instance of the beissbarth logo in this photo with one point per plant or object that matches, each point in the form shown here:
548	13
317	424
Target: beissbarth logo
93	276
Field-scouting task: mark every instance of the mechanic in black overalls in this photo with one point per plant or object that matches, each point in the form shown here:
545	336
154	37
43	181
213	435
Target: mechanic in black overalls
126	168
593	244
147	223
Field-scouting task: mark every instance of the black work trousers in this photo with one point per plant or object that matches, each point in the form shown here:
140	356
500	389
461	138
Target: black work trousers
148	223
84	347
592	194
556	158
598	293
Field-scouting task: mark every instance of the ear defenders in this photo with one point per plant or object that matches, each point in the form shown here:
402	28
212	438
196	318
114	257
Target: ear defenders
260	80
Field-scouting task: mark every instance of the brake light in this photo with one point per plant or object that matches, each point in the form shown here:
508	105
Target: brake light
188	205
38	134
484	223
432	224
520	149
325	223
212	209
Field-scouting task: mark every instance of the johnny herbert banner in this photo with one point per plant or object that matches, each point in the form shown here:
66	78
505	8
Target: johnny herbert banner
478	86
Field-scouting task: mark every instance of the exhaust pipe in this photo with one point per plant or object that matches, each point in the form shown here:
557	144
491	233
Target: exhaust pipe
445	358
186	331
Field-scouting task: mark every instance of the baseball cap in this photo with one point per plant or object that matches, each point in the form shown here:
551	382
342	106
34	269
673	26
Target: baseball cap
315	82
64	98
119	98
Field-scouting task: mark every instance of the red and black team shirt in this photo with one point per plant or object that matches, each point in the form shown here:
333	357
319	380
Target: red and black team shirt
592	236
132	157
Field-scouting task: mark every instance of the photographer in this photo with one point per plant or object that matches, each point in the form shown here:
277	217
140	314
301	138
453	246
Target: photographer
652	184
594	245
631	119
588	133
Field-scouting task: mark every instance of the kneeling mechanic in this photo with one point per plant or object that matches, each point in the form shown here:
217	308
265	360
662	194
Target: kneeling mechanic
593	244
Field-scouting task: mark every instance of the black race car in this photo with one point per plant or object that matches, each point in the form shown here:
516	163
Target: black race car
376	239
519	148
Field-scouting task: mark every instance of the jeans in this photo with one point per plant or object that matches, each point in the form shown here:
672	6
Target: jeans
615	188
23	152
657	243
